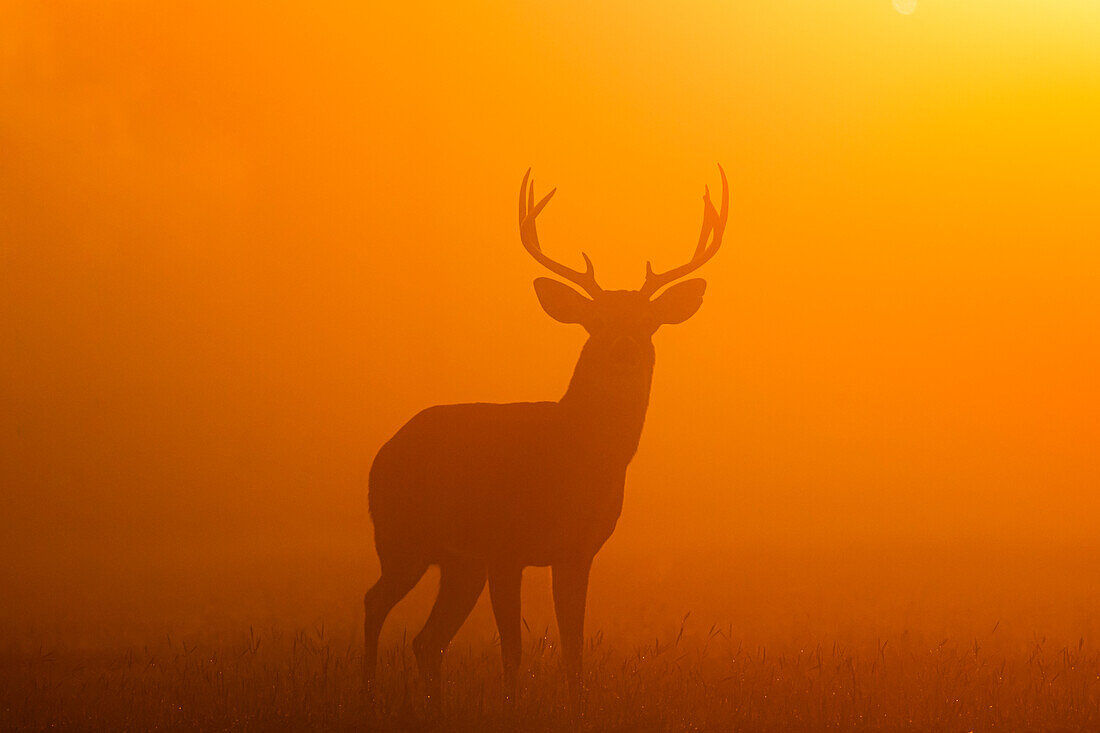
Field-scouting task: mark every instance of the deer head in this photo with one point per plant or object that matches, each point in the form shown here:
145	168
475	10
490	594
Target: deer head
622	322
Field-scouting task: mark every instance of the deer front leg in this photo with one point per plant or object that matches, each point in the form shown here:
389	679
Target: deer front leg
570	589
504	589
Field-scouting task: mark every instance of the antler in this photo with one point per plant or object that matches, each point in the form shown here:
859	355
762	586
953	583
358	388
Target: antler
714	222
528	210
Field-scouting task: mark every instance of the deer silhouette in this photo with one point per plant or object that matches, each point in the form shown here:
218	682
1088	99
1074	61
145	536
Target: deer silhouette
484	490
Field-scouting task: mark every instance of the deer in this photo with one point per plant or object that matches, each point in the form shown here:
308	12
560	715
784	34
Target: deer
486	490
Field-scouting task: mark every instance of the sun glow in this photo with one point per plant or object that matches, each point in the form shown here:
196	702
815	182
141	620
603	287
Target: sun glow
241	243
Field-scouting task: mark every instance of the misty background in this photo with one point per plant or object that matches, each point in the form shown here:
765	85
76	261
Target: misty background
241	245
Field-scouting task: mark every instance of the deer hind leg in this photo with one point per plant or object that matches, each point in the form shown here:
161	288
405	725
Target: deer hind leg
398	578
570	580
504	589
460	584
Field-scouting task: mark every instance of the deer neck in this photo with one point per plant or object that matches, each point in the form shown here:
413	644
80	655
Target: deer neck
606	402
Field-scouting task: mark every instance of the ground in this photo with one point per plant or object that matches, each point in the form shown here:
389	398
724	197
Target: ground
809	641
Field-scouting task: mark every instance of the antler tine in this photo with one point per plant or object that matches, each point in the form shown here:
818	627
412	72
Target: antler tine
528	210
714	226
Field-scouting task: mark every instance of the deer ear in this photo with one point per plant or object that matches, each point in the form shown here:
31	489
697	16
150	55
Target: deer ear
561	302
679	303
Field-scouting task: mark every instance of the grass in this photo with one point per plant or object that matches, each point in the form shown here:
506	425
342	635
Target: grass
709	681
960	641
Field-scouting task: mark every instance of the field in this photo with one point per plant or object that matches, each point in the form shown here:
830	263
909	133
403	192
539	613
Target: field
956	639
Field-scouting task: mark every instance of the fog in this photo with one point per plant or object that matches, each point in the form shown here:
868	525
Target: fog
240	246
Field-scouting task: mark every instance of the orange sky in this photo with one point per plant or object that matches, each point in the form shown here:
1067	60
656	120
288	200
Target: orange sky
240	246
